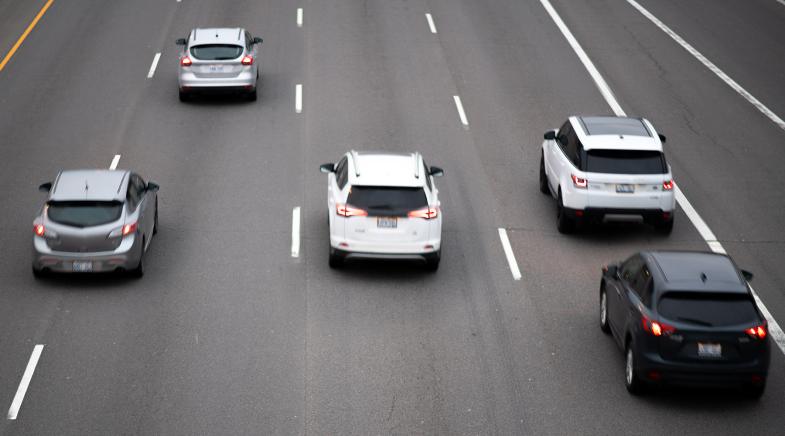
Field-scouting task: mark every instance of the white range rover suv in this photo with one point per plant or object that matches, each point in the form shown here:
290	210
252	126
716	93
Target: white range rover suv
603	167
383	205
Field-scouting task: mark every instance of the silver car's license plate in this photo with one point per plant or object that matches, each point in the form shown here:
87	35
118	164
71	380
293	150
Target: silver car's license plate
82	266
709	350
625	189
216	68
384	222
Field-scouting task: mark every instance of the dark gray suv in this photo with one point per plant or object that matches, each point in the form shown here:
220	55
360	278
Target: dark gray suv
685	318
95	221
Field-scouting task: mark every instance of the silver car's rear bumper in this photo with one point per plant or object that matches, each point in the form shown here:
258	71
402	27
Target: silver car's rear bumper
245	79
125	257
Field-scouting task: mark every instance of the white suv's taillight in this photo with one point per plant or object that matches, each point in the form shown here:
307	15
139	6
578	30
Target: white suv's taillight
348	210
667	185
579	182
428	213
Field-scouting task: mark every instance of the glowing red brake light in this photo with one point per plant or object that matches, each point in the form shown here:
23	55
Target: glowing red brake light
349	210
247	60
657	328
667	185
39	229
579	182
186	61
428	213
758	332
128	229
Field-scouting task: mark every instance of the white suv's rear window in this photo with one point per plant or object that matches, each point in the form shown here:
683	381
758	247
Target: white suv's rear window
387	201
216	52
625	162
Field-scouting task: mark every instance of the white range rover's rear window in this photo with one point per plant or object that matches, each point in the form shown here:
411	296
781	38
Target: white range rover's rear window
625	162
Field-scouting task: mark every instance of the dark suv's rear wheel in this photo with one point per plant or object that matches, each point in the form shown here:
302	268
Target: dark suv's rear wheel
632	381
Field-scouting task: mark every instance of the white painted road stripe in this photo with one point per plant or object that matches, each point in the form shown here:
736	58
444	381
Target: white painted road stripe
296	232
430	23
115	161
774	329
298	98
13	411
299	17
516	273
154	65
461	113
710	65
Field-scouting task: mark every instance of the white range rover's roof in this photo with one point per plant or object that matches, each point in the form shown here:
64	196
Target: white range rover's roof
616	133
377	168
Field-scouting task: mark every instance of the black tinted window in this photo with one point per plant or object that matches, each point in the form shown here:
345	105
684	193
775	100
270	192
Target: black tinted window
342	173
216	52
625	162
387	201
84	213
708	309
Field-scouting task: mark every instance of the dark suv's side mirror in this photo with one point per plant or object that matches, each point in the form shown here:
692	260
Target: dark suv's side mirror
747	275
181	41
662	137
45	187
257	40
550	135
611	271
151	186
327	168
436	172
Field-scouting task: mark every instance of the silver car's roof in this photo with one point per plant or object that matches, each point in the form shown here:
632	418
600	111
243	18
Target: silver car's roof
102	185
220	35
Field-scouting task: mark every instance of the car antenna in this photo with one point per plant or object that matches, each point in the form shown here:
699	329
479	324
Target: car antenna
416	164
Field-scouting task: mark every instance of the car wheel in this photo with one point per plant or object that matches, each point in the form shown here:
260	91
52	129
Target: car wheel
664	227
336	260
252	95
606	328
39	273
632	382
564	223
155	218
755	391
543	177
184	96
138	272
432	262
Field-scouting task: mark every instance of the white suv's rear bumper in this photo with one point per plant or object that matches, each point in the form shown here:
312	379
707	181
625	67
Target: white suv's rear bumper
387	249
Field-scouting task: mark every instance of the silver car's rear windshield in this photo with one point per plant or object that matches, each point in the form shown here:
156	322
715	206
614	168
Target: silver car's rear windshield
84	213
216	52
708	309
626	162
387	201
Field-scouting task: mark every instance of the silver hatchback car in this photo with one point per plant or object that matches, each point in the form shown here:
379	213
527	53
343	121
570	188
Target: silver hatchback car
95	221
218	59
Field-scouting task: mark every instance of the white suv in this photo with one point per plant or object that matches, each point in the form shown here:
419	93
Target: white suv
601	167
383	205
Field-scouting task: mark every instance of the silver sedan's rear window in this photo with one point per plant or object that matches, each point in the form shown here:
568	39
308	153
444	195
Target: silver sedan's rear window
216	52
84	213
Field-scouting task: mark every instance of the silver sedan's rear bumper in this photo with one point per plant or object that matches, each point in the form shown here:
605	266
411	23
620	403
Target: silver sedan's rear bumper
124	258
245	80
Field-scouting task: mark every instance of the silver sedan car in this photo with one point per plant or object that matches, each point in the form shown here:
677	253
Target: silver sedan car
95	221
218	59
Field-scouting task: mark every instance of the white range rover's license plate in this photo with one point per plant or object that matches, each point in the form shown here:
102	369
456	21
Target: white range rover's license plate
625	188
82	266
709	350
384	222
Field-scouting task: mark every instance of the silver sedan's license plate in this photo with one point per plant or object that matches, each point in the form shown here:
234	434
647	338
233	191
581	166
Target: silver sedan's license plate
709	350
82	266
384	222
216	68
625	188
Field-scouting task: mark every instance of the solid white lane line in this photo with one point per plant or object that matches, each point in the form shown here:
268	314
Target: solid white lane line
516	273
430	23
711	239
296	232
605	90
710	65
115	161
13	411
154	65
298	98
299	17
461	113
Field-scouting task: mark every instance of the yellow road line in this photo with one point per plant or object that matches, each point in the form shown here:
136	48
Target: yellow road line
24	35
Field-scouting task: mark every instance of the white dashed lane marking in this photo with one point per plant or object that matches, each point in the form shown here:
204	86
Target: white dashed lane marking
16	404
115	161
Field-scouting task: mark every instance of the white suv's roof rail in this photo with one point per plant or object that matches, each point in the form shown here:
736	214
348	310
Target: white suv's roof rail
417	159
356	163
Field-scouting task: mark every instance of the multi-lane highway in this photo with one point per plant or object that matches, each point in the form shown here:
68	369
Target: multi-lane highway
238	329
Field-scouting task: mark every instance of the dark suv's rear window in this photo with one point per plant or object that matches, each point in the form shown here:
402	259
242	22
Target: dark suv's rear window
216	52
84	213
626	162
706	309
387	201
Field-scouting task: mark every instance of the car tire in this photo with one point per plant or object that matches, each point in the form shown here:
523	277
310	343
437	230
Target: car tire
604	326
252	95
184	97
632	382
138	272
543	177
564	223
664	227
336	260
755	391
39	273
432	262
155	218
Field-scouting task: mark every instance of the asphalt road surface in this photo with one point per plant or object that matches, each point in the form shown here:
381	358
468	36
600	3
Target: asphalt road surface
228	333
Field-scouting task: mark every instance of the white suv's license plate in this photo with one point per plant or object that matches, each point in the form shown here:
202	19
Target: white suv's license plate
384	222
82	266
625	189
709	350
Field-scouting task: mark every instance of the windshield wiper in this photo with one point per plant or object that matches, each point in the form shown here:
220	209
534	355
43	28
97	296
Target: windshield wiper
695	321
